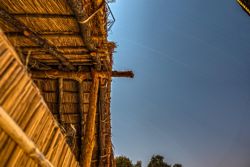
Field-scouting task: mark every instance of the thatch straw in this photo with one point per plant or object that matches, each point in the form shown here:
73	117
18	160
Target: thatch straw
65	40
45	24
16	133
31	6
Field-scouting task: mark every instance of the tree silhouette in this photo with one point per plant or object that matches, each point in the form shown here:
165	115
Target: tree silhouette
123	161
157	161
138	164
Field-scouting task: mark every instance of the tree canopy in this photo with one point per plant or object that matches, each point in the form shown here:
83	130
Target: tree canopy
155	161
158	161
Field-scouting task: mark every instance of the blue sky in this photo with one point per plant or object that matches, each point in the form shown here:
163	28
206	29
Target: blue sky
190	98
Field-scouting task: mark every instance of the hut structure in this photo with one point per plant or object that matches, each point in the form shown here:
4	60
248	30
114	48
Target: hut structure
55	83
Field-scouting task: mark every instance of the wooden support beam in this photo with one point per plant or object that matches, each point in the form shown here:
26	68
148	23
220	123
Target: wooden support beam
79	76
108	126
82	118
34	63
44	34
89	142
102	124
44	15
80	13
9	19
127	74
9	126
60	99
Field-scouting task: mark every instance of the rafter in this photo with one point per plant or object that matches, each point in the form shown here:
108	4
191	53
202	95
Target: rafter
45	33
79	11
9	19
44	15
89	142
81	75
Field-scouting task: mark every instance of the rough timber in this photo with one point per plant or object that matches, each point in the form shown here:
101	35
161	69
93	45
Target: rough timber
61	48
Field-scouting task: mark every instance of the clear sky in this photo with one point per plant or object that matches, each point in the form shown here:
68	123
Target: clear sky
190	98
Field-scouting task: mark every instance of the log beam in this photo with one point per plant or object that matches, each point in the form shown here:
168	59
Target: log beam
89	137
80	13
60	100
127	74
102	160
34	63
44	15
79	76
9	19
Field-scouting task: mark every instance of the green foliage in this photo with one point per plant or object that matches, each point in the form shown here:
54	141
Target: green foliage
157	161
123	161
177	165
138	164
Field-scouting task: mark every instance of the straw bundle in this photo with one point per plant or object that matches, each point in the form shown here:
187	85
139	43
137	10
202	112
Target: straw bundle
31	6
23	103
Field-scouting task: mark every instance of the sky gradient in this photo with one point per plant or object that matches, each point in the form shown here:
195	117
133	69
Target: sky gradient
190	98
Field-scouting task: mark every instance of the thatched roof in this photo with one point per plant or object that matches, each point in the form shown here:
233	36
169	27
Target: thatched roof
63	44
21	100
60	24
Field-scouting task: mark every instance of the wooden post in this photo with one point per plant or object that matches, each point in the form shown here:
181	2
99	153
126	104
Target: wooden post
102	123
108	126
127	74
82	121
81	75
89	137
16	133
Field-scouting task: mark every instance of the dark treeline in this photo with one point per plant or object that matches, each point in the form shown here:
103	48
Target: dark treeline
155	161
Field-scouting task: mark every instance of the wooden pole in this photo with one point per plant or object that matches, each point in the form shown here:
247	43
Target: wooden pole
60	100
102	159
9	19
80	12
108	126
16	133
89	137
81	75
78	76
127	74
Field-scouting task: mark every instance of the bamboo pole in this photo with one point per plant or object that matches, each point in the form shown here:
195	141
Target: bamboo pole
89	137
16	133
